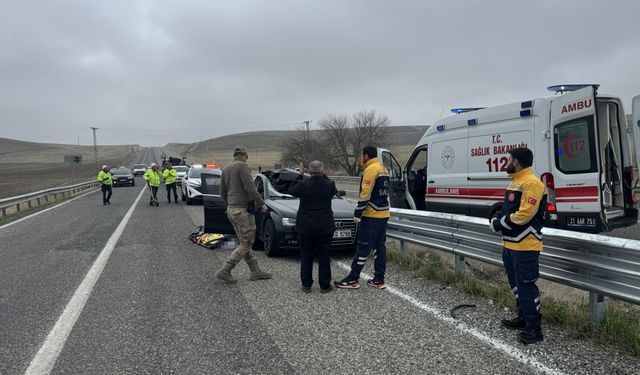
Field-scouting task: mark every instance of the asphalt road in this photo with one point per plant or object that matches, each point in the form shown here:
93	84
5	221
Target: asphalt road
154	306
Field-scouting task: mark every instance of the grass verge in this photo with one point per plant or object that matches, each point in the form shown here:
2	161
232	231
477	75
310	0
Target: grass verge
620	329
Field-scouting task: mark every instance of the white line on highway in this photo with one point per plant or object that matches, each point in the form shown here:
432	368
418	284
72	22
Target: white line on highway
512	351
46	357
47	209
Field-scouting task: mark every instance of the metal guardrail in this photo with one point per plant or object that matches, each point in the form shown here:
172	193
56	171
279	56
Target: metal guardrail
602	265
26	201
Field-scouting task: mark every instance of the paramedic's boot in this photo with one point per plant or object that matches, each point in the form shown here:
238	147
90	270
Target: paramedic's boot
257	273
225	275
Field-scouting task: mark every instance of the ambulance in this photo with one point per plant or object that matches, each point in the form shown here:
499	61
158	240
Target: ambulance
584	152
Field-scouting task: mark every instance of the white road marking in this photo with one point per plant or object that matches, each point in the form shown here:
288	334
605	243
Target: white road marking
46	357
46	209
511	351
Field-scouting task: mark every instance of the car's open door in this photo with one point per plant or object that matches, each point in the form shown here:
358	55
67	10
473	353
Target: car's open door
215	216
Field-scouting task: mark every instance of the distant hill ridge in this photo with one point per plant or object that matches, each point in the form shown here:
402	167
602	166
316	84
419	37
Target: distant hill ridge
271	140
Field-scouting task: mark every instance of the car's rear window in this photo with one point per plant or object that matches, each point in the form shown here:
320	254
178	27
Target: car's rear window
195	172
180	168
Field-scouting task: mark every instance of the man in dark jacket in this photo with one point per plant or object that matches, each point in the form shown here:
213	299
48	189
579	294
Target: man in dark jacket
315	224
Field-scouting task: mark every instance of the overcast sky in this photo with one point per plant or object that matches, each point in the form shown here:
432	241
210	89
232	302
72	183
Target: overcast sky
153	72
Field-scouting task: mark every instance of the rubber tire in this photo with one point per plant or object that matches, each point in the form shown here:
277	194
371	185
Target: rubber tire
182	196
269	239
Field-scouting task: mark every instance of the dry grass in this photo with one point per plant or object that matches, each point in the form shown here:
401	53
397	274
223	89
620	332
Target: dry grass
28	167
562	306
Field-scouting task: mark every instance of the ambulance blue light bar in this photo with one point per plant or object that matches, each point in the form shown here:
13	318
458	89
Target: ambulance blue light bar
527	104
525	113
573	87
473	121
465	110
440	128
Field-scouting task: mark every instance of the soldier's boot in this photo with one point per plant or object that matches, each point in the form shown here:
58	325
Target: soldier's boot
257	273
224	273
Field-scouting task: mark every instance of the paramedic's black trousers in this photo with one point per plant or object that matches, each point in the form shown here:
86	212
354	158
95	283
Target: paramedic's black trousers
523	270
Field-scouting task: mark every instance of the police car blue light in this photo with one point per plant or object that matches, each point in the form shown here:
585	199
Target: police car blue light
464	110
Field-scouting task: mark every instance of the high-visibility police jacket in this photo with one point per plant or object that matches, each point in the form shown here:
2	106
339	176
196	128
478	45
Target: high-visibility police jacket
374	191
522	215
105	178
170	176
152	177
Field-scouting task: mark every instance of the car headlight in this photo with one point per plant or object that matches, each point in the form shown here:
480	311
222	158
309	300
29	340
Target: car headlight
288	222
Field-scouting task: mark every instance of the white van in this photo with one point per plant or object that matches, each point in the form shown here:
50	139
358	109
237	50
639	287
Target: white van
583	149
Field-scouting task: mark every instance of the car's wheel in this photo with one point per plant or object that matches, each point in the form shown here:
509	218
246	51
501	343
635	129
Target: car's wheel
182	196
189	201
269	238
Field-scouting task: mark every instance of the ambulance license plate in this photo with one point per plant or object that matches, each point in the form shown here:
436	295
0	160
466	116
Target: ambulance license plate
581	222
342	233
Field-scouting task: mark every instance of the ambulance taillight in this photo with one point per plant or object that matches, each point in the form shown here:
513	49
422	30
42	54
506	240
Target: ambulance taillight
547	179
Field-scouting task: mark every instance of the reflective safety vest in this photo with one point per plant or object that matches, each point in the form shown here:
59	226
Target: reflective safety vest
522	215
374	191
170	176
152	177
105	178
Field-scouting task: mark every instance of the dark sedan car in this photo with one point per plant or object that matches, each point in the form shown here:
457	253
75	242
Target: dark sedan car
276	229
123	176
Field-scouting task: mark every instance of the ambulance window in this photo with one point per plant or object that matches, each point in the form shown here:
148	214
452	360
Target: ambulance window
575	146
389	162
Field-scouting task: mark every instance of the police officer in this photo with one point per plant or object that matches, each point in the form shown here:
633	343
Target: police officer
106	181
170	175
152	176
372	214
240	195
520	223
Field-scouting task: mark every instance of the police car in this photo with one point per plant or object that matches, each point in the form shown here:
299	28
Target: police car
190	188
584	151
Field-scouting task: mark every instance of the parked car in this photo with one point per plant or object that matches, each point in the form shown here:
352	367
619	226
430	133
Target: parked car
123	176
276	229
138	169
190	189
181	170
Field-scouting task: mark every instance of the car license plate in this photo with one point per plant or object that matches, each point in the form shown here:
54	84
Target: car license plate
581	222
342	233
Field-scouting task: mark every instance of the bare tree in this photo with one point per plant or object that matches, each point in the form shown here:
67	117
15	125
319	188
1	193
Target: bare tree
340	141
347	137
303	147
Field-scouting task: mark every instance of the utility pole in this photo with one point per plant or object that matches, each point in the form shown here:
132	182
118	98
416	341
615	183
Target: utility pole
95	147
307	124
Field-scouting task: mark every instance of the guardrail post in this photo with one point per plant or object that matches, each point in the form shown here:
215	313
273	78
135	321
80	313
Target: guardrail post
403	247
596	308
460	264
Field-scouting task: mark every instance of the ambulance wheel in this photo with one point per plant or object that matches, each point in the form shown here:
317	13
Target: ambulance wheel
269	238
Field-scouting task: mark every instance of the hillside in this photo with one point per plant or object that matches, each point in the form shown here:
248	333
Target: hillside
264	147
30	166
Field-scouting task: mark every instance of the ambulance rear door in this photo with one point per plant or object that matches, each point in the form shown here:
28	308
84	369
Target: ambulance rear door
576	166
447	167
